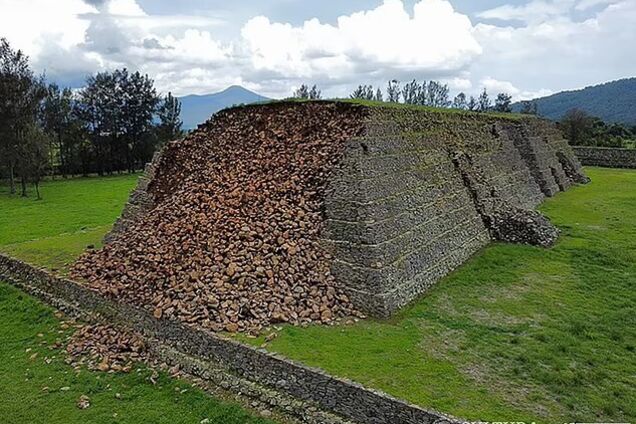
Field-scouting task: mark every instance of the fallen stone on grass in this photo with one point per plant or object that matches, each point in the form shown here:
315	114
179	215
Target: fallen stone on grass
83	402
232	242
104	348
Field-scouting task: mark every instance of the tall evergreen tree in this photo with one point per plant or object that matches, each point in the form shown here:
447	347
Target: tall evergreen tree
437	94
301	92
34	161
20	95
393	91
117	109
459	102
503	103
170	122
378	95
410	92
363	92
314	93
138	108
483	102
57	120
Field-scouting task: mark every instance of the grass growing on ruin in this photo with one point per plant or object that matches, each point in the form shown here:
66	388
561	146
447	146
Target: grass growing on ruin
73	214
38	387
517	334
393	105
442	110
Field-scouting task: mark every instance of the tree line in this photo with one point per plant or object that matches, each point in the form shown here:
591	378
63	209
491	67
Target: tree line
582	129
114	124
427	93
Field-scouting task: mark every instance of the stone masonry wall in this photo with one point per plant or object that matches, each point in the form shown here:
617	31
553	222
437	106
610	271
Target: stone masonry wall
607	157
422	191
310	385
139	202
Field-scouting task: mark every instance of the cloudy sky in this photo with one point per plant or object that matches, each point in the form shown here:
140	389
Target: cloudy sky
526	48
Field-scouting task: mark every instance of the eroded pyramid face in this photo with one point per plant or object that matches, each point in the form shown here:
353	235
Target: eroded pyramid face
310	212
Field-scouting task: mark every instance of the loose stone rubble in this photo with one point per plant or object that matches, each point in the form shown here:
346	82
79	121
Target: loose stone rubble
104	348
306	212
232	243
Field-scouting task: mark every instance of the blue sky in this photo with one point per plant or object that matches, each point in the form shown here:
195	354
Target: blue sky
527	48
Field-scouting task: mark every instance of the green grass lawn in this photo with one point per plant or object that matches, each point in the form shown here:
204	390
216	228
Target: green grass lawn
73	214
38	387
518	333
52	233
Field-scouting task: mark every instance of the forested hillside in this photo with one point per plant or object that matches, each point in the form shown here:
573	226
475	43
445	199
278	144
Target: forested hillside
612	102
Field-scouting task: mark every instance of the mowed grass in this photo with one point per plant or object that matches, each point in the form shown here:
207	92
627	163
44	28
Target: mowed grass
38	387
73	214
517	334
52	233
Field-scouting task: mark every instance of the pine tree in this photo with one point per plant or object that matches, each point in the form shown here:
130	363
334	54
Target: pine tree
393	91
314	93
301	92
20	95
503	102
33	163
170	122
378	95
410	92
459	102
483	103
437	94
363	92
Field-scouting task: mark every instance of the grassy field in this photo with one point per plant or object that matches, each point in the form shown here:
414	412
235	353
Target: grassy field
518	333
72	215
36	385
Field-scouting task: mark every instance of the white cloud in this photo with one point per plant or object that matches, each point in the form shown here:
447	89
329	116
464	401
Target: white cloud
31	24
588	4
494	87
124	8
534	11
386	38
458	83
561	51
541	46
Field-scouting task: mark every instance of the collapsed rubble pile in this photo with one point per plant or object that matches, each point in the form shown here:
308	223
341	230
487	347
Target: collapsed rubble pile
231	242
104	348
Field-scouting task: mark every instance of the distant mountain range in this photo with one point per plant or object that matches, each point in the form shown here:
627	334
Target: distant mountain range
612	102
196	109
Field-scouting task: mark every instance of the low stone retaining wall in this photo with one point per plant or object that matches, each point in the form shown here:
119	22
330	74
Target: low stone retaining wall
344	398
608	157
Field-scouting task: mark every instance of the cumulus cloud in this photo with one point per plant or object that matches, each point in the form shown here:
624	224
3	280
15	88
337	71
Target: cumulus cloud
386	38
534	11
525	50
588	4
494	87
560	51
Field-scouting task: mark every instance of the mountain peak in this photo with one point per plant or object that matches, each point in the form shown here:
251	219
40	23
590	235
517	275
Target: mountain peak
196	109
